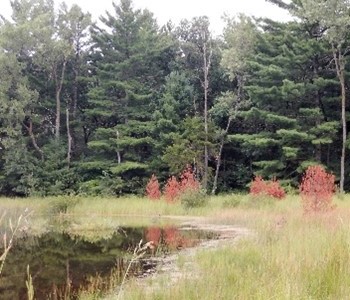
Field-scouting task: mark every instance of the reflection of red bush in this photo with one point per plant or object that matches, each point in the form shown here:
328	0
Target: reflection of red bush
169	235
153	234
172	237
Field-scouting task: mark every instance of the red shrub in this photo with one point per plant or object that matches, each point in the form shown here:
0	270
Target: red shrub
317	189
188	180
260	187
172	190
152	188
275	190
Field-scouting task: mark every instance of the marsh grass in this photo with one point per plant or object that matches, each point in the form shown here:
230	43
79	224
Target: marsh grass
292	256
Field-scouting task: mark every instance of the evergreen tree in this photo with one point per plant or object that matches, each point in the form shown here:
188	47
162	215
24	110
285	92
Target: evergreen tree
129	65
288	83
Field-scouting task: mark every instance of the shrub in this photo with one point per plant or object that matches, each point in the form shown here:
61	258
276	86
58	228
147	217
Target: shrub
260	187
317	189
152	188
193	198
172	190
188	181
191	194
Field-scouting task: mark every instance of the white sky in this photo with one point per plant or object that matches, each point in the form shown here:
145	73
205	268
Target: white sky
176	10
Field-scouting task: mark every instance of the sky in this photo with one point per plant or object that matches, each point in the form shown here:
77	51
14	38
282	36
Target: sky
176	10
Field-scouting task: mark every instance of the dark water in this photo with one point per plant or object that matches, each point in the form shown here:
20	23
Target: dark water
61	265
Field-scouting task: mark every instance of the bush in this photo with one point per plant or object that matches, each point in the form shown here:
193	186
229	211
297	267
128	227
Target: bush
260	187
317	189
172	190
152	188
194	198
188	180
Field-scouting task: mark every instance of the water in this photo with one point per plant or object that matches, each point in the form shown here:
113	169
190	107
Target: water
62	265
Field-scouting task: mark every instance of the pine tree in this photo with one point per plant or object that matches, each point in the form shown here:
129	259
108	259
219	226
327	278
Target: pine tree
129	66
292	98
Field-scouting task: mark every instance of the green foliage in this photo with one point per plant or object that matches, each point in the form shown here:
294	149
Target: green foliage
62	204
232	201
187	147
194	198
97	109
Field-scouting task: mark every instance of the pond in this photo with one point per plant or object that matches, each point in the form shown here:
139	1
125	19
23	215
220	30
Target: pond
62	265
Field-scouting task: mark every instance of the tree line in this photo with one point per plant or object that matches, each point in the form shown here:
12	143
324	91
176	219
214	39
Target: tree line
97	108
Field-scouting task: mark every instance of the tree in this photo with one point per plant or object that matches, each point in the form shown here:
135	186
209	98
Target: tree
197	46
240	39
332	16
292	117
73	28
128	60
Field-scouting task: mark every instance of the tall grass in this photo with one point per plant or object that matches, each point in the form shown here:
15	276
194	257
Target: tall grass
293	256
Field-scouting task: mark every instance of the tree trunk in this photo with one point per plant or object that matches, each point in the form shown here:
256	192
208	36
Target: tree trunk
240	82
343	113
59	85
69	139
33	139
318	148
206	67
75	85
119	157
218	161
340	67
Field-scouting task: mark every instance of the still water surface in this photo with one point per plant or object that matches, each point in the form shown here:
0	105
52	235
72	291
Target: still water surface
62	265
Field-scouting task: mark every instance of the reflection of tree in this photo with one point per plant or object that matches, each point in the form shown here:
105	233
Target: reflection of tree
60	263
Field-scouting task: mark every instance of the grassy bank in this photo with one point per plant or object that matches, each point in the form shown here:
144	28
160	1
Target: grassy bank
294	256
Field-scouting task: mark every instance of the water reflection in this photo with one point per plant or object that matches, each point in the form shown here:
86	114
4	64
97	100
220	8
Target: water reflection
61	265
171	238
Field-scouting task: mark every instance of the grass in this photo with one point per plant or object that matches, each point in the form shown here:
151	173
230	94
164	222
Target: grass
292	256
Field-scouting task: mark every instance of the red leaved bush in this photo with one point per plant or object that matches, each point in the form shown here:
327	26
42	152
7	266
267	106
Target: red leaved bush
260	187
172	190
188	180
317	189
152	188
168	236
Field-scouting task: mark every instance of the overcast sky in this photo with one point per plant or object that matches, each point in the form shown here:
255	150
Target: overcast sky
176	10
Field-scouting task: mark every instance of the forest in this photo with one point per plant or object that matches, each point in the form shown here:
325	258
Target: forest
96	108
